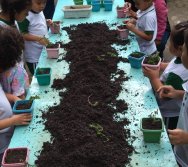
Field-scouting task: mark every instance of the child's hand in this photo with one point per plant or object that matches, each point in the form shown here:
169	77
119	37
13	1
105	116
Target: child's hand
21	119
43	41
178	136
151	73
130	26
49	22
166	92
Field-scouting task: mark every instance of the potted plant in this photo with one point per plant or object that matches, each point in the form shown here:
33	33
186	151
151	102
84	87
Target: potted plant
153	61
43	76
15	157
120	12
135	59
53	50
23	106
78	2
152	127
55	27
123	32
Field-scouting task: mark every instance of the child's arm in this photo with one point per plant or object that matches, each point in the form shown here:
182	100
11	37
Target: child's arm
12	98
19	119
141	34
153	76
163	66
178	136
167	91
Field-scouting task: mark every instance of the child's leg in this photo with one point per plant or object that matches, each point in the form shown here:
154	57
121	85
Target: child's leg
32	67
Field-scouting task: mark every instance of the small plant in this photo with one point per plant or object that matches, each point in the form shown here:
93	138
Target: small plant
152	59
99	130
92	104
153	117
137	54
34	97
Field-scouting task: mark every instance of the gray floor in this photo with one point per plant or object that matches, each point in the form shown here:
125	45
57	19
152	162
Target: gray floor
177	12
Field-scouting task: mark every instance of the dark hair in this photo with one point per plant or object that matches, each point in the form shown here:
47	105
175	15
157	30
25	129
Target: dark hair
12	45
177	33
186	38
11	7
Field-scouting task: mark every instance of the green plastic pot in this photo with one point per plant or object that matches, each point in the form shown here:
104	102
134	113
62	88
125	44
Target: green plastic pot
43	79
151	136
78	2
89	2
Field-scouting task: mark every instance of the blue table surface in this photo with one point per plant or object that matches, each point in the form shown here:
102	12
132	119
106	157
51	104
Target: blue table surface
139	97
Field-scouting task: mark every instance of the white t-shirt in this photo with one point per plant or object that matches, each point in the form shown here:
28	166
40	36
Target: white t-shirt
181	151
147	22
37	26
5	112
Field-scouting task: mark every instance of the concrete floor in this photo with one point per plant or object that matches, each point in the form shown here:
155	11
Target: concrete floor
177	12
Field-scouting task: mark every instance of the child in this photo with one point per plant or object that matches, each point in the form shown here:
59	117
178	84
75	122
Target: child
14	80
11	44
34	28
146	26
175	74
179	136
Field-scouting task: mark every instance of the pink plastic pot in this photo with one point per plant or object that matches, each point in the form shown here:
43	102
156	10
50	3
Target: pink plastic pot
18	164
150	65
120	12
123	32
55	27
53	53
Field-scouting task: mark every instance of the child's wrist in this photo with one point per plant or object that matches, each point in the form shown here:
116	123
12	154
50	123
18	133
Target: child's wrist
40	38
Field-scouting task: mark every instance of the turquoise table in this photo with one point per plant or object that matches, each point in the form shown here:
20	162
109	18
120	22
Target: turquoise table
140	99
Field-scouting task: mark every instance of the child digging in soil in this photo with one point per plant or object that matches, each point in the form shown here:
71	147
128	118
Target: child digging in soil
174	74
11	43
34	29
14	80
145	27
179	136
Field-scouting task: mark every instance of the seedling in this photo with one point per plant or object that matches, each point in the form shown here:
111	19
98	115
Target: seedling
92	104
153	59
153	117
34	97
99	130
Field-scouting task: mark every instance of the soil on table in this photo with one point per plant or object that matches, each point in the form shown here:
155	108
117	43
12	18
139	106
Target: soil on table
24	105
56	45
43	71
16	156
151	123
84	127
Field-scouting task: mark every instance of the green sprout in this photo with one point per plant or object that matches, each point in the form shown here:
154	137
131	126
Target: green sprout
99	130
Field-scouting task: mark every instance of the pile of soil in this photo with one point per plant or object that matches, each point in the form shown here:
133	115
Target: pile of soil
83	126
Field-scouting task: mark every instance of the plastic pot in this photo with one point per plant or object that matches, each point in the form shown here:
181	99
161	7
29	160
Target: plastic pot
43	79
123	32
134	60
53	53
55	27
29	110
150	65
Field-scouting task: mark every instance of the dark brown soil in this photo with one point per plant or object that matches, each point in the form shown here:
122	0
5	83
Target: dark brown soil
16	156
137	54
52	45
24	106
122	27
43	71
83	127
151	123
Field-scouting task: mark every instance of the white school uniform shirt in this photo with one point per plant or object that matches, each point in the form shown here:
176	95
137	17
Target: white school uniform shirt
181	151
147	21
37	26
5	112
171	107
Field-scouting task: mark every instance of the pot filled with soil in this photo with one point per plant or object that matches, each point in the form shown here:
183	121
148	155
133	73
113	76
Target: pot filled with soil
120	12
53	50
123	32
152	129
55	27
96	5
23	106
153	61
15	157
43	76
135	59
